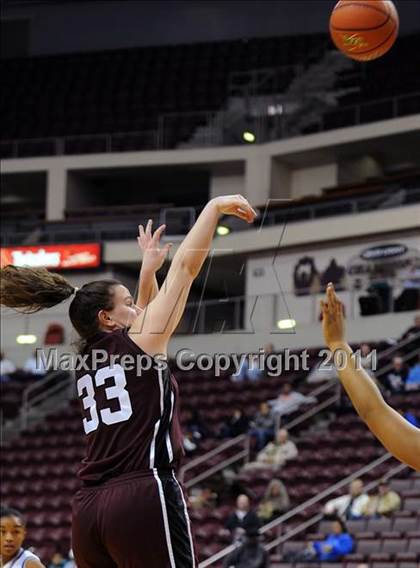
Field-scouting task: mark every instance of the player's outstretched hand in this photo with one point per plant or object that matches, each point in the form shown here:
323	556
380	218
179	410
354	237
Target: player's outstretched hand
237	206
332	319
149	243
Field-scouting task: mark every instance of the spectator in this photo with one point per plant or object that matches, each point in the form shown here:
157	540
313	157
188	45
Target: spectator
395	380
411	417
262	427
250	371
202	498
366	357
251	554
189	444
236	425
384	503
289	400
35	365
337	544
349	506
197	426
413	379
7	367
414	329
275	454
70	562
57	561
242	519
275	501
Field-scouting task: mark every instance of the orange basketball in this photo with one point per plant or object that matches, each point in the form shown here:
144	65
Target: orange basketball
364	29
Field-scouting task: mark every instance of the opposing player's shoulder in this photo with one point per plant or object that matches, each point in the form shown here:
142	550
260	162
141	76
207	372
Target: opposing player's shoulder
33	563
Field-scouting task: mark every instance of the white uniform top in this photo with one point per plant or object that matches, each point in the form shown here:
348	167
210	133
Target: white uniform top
19	560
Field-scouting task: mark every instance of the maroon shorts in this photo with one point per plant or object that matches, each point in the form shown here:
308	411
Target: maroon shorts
138	520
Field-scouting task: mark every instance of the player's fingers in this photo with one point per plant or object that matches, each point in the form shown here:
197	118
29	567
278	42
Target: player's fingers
332	298
141	231
149	228
157	234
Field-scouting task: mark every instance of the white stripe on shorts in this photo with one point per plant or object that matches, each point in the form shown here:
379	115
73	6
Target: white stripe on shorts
187	518
165	519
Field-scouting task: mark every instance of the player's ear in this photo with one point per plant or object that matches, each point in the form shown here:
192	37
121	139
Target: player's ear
105	320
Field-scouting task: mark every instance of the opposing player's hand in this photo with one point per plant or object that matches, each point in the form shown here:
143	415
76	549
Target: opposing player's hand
332	319
149	243
237	206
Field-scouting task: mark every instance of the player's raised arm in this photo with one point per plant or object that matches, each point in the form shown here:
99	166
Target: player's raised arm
153	256
154	327
398	436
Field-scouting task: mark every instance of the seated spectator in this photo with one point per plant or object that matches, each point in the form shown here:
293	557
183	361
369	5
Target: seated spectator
337	544
413	330
349	506
57	561
262	427
189	444
411	417
242	519
70	562
250	371
289	400
236	425
276	453
366	357
7	367
197	426
35	365
275	501
413	379
384	503
394	381
201	498
250	554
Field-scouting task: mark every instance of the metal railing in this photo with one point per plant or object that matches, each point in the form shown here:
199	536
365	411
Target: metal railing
244	439
267	128
231	315
313	501
36	395
124	226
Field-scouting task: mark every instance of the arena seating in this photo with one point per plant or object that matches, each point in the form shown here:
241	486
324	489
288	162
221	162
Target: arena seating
120	222
38	468
125	91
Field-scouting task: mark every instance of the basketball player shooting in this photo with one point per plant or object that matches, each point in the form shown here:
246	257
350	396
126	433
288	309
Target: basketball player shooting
131	511
398	436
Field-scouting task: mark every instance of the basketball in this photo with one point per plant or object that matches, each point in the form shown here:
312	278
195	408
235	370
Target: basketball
364	29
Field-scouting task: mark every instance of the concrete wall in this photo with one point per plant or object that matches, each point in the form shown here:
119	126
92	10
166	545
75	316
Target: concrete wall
288	168
311	181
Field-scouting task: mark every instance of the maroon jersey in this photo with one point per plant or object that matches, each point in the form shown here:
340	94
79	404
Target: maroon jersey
131	418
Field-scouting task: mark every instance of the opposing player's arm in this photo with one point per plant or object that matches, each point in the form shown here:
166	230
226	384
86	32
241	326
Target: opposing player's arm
397	435
154	327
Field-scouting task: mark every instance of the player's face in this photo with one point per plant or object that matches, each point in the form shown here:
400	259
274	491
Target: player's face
125	310
12	535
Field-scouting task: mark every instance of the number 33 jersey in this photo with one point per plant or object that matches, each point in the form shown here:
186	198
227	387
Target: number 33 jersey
129	404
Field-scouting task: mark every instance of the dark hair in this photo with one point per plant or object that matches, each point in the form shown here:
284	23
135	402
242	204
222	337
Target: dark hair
9	512
88	301
340	521
29	290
